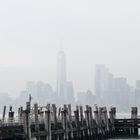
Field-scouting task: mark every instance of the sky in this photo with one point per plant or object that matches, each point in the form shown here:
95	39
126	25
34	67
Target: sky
89	31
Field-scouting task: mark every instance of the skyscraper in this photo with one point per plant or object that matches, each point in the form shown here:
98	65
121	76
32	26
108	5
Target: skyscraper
61	75
101	81
111	90
65	90
137	84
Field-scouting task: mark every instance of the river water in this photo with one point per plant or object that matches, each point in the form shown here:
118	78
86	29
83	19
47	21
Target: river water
126	139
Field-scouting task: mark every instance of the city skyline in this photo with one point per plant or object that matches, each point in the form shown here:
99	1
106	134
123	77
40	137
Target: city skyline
55	86
92	33
109	89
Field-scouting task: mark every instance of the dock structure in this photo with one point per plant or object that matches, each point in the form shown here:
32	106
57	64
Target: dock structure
52	123
129	126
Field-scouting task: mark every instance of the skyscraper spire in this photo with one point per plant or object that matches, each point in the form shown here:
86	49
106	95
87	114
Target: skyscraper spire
61	45
65	90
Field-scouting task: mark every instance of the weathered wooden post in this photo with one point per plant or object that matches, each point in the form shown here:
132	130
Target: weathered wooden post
36	119
90	116
96	117
134	115
103	125
112	115
11	115
26	120
4	112
114	112
76	114
81	115
90	121
41	115
48	122
102	112
87	121
70	121
59	113
100	124
65	122
54	120
105	122
87	115
54	115
20	110
82	121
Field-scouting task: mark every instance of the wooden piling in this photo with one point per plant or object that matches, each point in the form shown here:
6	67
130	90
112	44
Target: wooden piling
20	110
4	112
36	117
48	122
82	121
65	122
77	123
54	115
66	126
11	115
134	115
70	121
112	117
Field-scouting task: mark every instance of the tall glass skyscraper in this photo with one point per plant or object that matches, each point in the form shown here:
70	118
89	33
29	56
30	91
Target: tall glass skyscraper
61	75
65	89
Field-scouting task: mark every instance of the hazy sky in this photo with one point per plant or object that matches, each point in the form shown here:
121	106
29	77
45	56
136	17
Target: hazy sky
92	31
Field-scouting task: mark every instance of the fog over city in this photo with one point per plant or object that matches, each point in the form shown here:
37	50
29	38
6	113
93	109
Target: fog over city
90	32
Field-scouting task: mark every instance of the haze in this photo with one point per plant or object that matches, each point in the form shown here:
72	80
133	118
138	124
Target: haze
89	31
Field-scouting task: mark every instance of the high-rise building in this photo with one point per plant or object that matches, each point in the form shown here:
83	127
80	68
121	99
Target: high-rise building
86	98
137	84
40	91
61	75
64	88
101	81
137	94
110	90
70	93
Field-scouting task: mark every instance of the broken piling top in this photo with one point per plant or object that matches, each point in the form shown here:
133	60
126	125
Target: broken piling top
113	111
69	110
28	107
4	113
112	115
54	114
48	121
36	117
81	114
134	112
96	115
11	115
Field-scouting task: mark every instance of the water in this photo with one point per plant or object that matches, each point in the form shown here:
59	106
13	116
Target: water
125	139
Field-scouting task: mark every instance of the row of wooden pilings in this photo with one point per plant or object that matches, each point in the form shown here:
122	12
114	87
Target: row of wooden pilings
50	123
